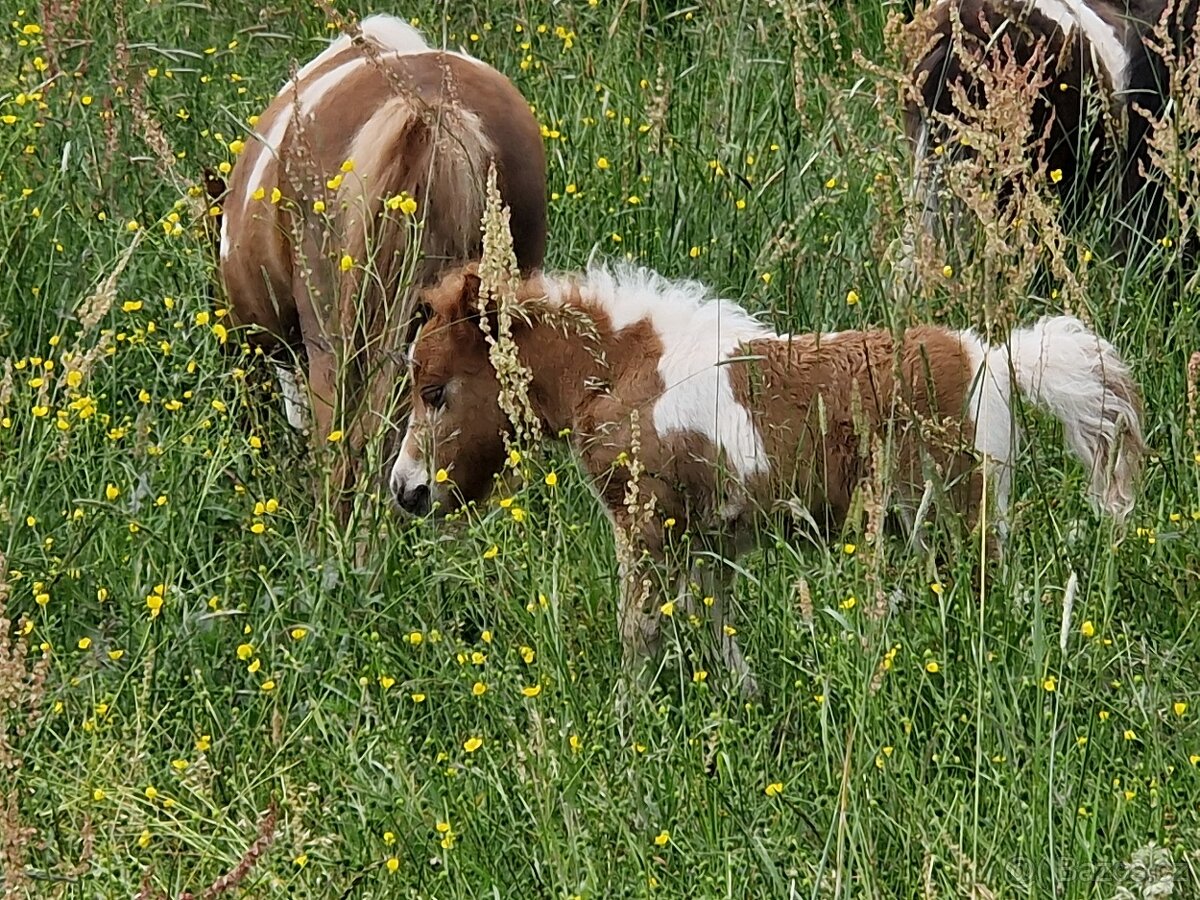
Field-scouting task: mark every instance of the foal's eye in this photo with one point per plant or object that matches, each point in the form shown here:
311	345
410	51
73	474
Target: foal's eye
434	395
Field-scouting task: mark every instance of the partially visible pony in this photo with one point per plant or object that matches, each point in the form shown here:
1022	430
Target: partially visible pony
364	178
1086	79
728	421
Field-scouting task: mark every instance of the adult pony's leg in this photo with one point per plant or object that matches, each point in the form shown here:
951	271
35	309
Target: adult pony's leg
316	303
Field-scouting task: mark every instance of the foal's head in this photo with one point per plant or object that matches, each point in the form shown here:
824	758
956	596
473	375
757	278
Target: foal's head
456	426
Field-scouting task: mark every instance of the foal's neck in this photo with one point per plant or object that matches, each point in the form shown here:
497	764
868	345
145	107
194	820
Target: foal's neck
567	367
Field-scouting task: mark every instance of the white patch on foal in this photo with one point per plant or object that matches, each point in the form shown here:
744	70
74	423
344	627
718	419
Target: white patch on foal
697	334
989	406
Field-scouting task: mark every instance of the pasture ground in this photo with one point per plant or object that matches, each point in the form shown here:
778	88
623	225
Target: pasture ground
200	645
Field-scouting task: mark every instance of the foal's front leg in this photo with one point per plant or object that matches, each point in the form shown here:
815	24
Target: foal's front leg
640	557
647	575
639	616
715	580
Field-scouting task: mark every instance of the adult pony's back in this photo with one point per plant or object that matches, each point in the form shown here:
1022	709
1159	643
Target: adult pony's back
363	179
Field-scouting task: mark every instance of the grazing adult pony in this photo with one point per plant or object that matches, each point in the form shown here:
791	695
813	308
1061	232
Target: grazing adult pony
1082	135
729	420
1155	104
364	176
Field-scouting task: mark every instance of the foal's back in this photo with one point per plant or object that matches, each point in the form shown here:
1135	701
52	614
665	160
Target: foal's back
821	401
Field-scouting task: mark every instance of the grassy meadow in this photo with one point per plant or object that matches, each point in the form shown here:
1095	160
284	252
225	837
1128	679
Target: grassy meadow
205	686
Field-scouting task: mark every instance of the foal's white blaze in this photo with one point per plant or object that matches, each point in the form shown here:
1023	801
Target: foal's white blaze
409	471
697	335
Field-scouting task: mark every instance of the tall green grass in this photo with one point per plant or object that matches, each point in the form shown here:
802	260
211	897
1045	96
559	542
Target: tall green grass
440	721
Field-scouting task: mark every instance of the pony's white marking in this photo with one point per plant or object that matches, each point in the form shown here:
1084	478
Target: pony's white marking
1065	369
271	141
989	406
412	469
409	471
310	96
697	335
313	92
224	237
1103	39
389	32
295	406
393	33
395	36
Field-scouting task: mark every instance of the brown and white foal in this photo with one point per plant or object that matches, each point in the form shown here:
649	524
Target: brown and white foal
365	175
732	419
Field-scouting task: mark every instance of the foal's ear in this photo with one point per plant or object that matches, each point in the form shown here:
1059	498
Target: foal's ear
454	297
468	295
468	301
422	312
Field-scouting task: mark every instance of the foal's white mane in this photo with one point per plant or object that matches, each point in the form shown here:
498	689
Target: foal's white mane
698	332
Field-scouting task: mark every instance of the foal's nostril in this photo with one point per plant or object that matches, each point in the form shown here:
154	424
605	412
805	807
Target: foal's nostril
414	500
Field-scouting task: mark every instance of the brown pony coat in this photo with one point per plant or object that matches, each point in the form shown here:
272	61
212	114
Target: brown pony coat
422	125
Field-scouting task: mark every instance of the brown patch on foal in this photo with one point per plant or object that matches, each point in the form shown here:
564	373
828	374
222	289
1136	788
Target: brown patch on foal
587	385
818	400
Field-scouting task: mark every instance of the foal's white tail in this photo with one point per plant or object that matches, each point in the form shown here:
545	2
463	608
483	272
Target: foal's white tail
1078	377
